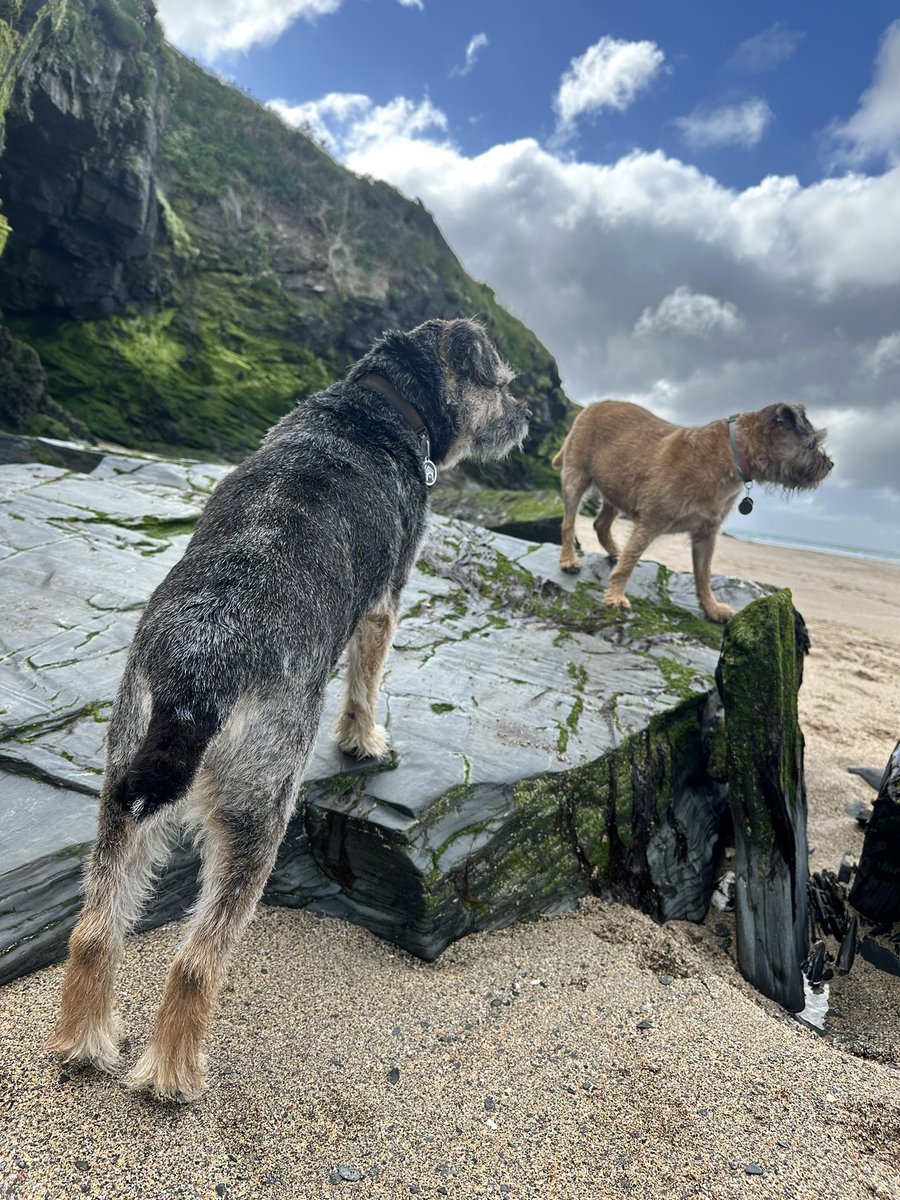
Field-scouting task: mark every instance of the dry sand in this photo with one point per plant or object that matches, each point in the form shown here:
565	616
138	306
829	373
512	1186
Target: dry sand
514	1066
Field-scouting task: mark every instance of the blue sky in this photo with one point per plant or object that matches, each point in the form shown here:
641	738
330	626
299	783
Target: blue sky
696	206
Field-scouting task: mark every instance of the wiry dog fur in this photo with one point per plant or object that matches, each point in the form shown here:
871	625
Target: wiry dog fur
672	479
303	548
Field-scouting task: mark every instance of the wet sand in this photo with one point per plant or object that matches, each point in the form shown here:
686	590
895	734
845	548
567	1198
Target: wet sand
519	1064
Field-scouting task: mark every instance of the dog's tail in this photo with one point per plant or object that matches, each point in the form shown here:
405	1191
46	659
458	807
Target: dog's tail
557	460
167	759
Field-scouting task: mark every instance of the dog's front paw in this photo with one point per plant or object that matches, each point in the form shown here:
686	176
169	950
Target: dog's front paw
718	612
616	600
353	737
570	566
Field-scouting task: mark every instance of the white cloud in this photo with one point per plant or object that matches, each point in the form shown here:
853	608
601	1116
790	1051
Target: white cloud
730	125
874	129
609	74
346	123
584	251
885	357
691	313
327	120
766	50
213	28
476	43
419	4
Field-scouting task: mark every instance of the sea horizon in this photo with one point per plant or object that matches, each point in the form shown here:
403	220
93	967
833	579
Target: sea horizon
840	551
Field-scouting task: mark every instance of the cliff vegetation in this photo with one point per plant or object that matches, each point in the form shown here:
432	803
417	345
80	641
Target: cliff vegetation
178	265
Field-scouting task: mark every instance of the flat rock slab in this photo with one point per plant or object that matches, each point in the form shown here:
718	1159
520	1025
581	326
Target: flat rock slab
543	745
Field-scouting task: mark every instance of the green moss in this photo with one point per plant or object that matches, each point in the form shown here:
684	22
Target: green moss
163	528
649	618
441	807
578	674
493	507
591	828
177	230
680	680
201	383
120	22
717	754
440	708
764	744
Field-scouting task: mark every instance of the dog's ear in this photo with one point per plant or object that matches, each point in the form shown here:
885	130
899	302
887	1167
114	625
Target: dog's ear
791	415
469	351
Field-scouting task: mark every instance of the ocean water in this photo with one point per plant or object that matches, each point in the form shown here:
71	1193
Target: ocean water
773	539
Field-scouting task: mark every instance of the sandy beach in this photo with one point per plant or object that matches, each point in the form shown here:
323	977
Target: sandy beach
588	1055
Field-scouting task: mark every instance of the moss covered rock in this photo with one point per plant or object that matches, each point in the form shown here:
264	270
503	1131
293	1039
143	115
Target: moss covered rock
545	746
759	676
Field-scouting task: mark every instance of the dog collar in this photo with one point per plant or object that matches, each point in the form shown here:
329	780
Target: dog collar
413	418
746	505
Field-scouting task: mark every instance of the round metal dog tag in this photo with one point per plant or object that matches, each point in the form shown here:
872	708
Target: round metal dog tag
745	506
430	472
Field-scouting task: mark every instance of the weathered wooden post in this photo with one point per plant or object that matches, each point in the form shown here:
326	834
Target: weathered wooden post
759	674
876	889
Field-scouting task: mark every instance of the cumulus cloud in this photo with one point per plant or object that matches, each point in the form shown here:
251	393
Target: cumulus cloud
214	28
476	43
874	129
651	281
886	356
347	123
419	4
692	313
327	120
610	74
729	125
767	50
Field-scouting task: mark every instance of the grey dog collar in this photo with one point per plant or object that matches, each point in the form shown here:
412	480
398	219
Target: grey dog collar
413	418
746	505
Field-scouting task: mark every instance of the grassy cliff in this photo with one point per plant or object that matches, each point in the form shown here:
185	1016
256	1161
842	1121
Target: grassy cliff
184	264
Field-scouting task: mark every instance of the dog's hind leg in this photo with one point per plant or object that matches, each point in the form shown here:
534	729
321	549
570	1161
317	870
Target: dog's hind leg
702	546
602	526
117	880
242	797
575	482
355	730
641	537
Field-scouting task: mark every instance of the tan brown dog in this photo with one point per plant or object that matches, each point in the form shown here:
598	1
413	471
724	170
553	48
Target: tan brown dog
675	479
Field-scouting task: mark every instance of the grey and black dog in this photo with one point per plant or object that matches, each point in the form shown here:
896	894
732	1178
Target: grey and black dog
302	549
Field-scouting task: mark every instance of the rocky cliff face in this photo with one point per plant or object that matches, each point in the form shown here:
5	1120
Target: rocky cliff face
79	180
182	263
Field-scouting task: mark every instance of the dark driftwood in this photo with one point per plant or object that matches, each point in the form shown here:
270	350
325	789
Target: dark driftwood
876	889
759	675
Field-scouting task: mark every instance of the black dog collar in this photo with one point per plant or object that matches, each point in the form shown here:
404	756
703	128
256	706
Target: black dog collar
413	418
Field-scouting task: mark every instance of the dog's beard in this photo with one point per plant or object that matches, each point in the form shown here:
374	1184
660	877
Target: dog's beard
502	435
806	473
